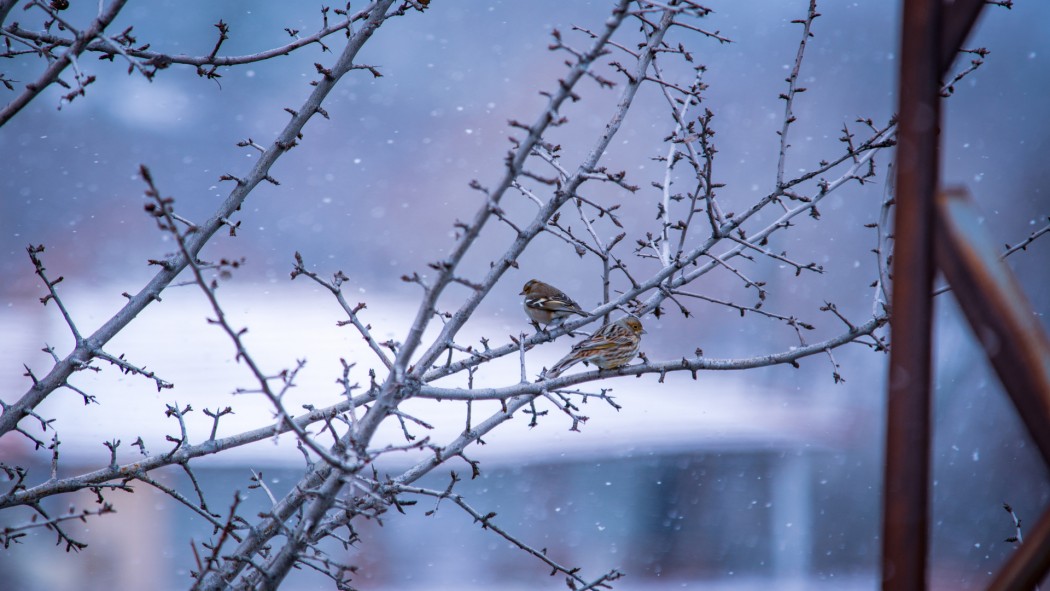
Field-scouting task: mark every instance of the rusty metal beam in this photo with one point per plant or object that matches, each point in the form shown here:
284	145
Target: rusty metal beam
905	496
1004	323
998	311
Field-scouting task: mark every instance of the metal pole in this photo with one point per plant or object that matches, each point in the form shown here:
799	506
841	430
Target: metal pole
905	503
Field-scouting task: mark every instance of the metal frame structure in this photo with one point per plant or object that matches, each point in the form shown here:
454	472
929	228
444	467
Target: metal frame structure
935	229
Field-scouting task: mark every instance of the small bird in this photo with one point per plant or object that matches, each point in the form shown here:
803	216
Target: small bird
613	345
545	303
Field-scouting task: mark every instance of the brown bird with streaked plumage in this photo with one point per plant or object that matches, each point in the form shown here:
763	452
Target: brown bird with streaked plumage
613	345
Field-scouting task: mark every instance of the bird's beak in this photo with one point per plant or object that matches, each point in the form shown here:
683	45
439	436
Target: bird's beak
522	292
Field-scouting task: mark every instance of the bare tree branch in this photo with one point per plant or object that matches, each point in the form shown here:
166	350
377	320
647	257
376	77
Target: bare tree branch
171	268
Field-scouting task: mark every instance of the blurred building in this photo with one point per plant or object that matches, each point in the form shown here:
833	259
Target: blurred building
707	484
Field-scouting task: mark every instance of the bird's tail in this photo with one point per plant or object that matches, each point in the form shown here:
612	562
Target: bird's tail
565	363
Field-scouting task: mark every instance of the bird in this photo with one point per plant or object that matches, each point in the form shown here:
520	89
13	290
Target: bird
545	303
613	345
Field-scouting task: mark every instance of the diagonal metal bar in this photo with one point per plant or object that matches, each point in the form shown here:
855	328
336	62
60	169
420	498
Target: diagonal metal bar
905	495
957	23
1004	323
998	311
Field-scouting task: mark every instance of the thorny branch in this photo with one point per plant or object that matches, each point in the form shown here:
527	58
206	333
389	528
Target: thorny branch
124	45
162	209
486	521
794	89
13	533
54	70
335	286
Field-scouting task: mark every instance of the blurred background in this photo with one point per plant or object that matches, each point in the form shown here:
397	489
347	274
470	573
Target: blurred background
743	480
